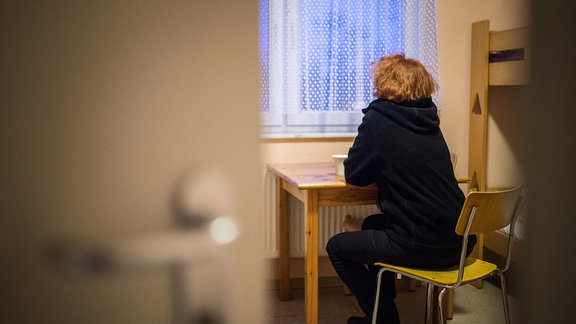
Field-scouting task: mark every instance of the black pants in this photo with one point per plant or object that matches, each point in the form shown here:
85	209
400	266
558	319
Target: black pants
353	253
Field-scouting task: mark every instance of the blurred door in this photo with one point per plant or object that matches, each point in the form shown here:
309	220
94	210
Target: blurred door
104	104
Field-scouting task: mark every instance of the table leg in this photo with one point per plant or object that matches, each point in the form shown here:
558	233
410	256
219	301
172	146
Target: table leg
311	256
449	303
284	242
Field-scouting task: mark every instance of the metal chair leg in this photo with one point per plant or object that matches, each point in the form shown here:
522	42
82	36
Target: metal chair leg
429	301
441	305
377	297
504	297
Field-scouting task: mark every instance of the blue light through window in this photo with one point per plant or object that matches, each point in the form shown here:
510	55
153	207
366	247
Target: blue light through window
315	57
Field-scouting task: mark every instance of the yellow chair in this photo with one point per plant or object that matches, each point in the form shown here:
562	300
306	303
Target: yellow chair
482	212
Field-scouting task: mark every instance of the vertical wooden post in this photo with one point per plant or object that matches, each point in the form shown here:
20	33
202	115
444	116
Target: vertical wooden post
479	69
479	74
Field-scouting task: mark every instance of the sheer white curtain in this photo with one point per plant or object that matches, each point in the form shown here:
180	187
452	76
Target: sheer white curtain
316	54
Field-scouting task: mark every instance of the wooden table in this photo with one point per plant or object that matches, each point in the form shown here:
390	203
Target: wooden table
315	185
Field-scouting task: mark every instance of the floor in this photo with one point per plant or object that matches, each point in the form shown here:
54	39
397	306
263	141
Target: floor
471	305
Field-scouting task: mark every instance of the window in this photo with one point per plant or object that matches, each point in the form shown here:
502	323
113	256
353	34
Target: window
315	56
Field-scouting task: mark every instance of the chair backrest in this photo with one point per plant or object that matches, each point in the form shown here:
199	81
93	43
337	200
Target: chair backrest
489	211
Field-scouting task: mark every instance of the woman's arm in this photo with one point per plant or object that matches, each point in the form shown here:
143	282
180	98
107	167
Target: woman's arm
359	167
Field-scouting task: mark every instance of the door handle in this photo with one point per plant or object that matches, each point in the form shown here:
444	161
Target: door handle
195	250
203	207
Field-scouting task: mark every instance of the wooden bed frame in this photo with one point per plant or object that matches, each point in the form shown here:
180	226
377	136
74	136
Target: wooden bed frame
498	58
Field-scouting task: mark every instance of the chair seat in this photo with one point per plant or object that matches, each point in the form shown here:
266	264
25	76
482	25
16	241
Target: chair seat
474	269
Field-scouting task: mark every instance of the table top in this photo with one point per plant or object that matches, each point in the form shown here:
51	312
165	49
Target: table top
315	175
309	175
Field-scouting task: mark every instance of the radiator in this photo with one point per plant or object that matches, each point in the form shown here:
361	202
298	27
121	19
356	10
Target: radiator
330	221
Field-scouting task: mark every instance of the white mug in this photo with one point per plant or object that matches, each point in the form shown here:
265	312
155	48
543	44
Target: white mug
339	164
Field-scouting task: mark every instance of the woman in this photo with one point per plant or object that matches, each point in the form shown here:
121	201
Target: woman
399	147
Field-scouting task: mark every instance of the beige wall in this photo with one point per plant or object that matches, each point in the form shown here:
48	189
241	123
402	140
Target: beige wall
303	150
454	27
454	37
103	105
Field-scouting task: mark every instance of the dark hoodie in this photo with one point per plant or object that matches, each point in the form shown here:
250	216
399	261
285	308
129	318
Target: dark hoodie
400	147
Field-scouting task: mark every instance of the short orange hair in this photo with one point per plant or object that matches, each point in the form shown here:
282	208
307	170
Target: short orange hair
398	79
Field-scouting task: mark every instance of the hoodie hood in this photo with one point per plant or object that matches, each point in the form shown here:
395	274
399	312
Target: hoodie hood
419	116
